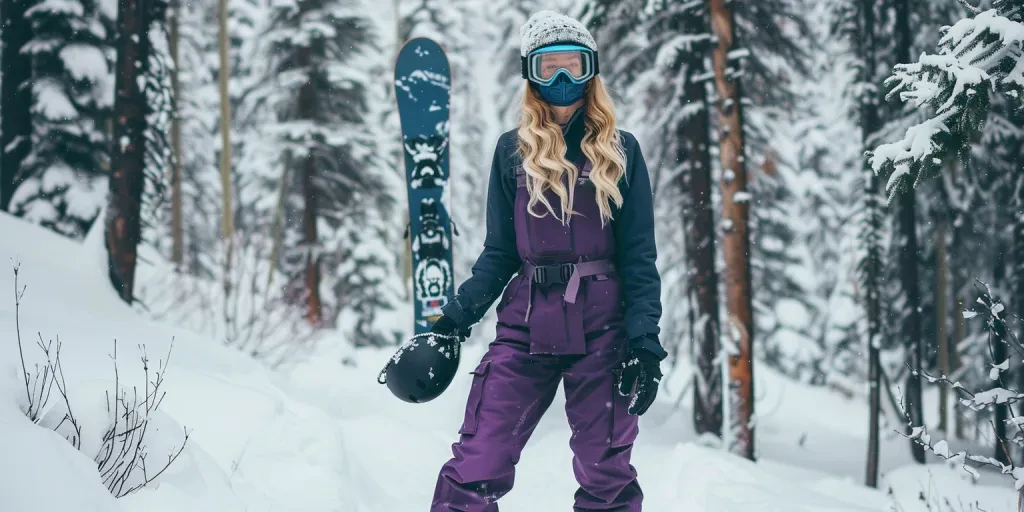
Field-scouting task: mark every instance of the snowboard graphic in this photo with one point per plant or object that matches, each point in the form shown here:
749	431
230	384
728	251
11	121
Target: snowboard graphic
422	81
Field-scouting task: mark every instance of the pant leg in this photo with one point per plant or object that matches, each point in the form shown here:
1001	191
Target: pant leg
511	390
602	431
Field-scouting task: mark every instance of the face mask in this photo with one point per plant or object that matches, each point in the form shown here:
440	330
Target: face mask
562	92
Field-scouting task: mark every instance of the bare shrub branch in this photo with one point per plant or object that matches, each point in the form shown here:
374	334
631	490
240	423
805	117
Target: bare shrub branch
56	370
122	458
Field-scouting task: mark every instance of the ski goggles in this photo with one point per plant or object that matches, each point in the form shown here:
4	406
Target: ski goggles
577	63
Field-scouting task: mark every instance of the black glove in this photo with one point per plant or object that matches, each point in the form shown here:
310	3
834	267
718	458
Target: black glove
641	369
445	326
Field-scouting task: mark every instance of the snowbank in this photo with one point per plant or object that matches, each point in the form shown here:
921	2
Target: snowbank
326	437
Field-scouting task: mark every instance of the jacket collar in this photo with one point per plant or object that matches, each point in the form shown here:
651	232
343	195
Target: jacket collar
573	134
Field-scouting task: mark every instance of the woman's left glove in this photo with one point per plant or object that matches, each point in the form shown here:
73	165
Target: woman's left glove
640	370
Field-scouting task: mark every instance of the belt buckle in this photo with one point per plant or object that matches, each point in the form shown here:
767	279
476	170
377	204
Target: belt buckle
547	275
540	275
565	272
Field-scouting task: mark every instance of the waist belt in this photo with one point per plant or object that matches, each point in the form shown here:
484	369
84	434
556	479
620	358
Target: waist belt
559	273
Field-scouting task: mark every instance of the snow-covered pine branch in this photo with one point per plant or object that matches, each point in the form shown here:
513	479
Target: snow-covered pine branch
976	57
992	310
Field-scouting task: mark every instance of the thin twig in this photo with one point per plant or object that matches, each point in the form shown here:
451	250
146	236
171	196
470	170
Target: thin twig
17	330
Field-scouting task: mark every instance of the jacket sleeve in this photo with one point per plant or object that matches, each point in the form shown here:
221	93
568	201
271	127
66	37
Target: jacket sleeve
636	253
499	259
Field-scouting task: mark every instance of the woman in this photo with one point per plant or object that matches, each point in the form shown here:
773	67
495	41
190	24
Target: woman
569	207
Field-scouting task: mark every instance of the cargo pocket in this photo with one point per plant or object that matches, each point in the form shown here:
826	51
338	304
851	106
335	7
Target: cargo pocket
476	392
624	427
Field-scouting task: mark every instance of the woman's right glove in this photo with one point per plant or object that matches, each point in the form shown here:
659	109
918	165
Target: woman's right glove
445	326
641	369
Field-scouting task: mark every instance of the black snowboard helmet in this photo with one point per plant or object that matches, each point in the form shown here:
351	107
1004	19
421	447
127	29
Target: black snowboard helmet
422	368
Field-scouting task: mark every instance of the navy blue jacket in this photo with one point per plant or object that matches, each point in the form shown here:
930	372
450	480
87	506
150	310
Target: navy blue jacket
634	236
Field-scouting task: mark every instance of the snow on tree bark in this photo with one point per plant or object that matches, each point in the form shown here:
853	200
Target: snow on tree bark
736	241
15	97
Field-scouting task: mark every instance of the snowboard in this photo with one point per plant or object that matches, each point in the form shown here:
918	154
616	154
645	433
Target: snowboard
422	90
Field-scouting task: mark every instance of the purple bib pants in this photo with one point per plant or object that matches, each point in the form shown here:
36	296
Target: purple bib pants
569	332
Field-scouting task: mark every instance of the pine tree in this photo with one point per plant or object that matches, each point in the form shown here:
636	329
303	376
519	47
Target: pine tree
196	108
508	18
685	28
177	292
15	97
908	256
773	63
693	124
177	220
735	225
128	163
825	194
976	56
312	51
64	176
857	21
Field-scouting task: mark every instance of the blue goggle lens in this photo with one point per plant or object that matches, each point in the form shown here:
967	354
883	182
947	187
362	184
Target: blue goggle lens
575	62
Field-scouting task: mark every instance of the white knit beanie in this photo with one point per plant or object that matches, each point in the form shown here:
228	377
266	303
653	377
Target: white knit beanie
546	27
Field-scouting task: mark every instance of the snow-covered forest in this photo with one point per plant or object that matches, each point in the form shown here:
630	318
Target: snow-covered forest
204	214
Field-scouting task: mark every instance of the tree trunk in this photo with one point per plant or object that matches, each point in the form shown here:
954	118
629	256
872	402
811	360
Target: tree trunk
998	346
407	254
874	313
736	239
227	215
699	232
941	293
278	220
307	111
959	333
15	97
313	314
177	229
872	264
959	325
1017	285
909	277
912	321
1018	273
127	178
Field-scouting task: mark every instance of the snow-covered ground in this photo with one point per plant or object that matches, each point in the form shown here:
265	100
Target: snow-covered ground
324	436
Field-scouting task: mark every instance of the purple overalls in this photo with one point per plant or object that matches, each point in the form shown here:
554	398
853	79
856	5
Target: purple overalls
567	328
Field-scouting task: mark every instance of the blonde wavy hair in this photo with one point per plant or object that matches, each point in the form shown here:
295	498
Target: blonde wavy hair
542	149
